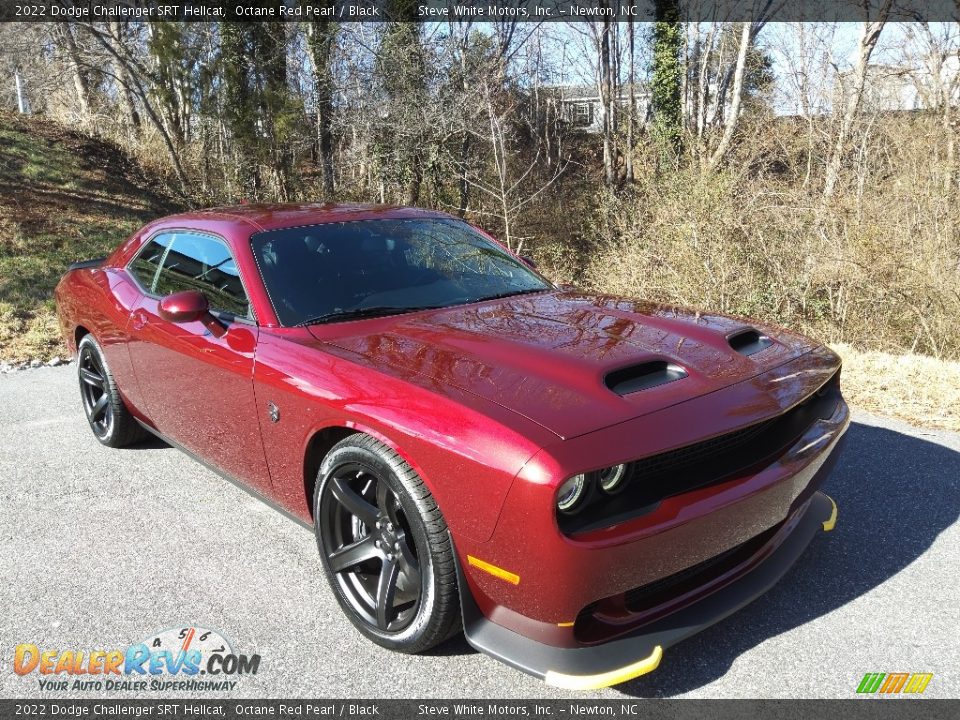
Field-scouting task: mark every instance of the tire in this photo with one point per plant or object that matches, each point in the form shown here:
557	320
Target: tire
385	547
109	419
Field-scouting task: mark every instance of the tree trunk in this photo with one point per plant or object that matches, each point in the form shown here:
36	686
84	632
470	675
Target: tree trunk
951	160
416	179
703	88
666	82
270	43
238	111
633	103
123	82
322	37
464	183
868	41
605	102
22	105
731	125
73	62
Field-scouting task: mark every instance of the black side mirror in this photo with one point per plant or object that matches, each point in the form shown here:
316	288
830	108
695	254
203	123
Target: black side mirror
529	261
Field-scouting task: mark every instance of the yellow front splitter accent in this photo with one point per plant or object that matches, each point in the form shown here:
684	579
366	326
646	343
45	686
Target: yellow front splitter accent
602	680
830	522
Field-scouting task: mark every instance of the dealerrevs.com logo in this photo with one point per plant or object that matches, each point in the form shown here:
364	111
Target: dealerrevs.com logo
189	659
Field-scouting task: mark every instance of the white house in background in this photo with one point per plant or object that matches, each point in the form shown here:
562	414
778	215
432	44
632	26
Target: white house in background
580	106
890	88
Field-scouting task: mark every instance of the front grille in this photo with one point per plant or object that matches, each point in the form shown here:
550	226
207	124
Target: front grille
701	464
676	460
653	594
590	625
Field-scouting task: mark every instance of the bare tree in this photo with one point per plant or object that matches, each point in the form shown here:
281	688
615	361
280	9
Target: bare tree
601	32
853	94
138	78
321	37
932	51
116	34
746	37
69	46
632	114
511	190
804	52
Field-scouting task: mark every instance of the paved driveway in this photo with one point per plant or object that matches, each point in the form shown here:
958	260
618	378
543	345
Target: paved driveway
100	548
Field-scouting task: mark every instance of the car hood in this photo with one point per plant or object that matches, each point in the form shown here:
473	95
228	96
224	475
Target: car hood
547	356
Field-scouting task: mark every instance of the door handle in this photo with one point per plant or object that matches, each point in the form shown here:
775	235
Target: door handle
139	320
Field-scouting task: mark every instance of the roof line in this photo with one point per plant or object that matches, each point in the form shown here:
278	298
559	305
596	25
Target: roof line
241	218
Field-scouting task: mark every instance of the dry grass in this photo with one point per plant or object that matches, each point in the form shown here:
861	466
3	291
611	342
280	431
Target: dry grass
877	268
921	390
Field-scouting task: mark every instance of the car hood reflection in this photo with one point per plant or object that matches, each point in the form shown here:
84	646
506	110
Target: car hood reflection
545	356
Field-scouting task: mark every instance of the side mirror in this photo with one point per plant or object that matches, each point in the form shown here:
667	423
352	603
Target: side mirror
529	261
184	307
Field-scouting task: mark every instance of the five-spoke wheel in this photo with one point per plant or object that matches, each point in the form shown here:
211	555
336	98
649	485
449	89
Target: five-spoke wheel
95	392
111	421
368	546
390	567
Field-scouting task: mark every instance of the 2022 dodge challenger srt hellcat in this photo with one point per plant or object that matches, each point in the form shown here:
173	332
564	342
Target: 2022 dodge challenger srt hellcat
578	481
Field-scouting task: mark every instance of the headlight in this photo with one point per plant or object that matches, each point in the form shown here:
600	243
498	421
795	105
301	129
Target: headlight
571	493
613	479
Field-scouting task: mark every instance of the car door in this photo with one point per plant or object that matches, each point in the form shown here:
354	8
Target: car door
196	378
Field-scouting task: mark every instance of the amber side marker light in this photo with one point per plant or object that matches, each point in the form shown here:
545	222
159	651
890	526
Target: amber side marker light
497	572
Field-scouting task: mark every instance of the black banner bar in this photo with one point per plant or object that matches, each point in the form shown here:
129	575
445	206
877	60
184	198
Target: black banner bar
348	11
322	709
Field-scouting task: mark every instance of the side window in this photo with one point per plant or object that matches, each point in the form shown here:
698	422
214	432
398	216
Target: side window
195	262
145	265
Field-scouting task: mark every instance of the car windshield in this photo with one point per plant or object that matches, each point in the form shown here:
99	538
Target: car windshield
348	270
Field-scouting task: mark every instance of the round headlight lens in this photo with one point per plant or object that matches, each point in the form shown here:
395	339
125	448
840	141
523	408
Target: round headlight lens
613	479
571	493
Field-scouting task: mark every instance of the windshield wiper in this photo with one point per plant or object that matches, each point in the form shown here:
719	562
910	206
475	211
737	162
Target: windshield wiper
511	293
364	312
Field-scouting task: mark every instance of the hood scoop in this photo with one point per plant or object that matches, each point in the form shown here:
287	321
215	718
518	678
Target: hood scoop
644	376
749	342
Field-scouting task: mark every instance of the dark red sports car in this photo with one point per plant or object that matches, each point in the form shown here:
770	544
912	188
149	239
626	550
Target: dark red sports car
578	480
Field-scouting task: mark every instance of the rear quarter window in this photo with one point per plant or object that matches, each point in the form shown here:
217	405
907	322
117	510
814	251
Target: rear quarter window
145	265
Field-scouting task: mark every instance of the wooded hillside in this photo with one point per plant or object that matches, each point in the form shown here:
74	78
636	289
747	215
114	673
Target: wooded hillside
838	217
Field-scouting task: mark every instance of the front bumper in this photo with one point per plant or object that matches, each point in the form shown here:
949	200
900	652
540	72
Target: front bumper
627	657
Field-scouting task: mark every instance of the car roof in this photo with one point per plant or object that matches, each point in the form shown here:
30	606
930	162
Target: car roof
266	216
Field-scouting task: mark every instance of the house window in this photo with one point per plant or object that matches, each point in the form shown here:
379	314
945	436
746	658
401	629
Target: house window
583	114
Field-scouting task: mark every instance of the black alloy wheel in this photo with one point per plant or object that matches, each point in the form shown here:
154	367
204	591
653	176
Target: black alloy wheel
385	547
95	392
368	546
108	416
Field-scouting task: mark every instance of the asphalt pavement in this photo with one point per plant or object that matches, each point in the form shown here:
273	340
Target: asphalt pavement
102	548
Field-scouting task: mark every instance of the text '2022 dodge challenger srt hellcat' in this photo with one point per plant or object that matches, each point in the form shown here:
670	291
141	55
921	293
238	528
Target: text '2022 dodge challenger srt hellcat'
577	481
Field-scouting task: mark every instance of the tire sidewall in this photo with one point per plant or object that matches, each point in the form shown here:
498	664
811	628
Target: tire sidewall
409	638
88	342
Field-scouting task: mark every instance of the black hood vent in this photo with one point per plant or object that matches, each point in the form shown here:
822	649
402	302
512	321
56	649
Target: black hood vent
749	341
644	376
